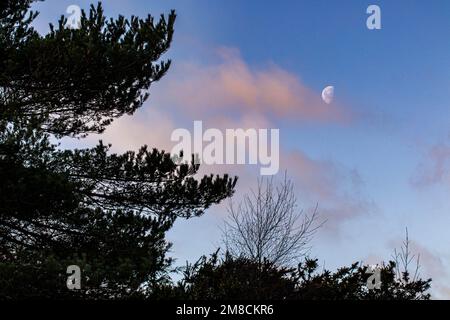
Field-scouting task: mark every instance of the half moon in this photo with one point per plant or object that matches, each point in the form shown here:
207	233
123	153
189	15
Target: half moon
328	94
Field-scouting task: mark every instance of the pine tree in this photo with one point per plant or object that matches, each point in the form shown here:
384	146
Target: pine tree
107	213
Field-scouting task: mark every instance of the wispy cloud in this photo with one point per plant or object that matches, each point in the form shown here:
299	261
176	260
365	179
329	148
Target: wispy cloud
338	191
434	168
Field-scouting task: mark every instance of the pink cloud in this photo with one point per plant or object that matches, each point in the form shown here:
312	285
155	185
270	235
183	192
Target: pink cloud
149	126
232	86
230	94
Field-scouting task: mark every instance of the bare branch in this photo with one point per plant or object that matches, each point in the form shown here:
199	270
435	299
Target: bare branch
268	225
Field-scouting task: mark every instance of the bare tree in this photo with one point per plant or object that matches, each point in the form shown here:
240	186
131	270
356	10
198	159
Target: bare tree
268	225
407	264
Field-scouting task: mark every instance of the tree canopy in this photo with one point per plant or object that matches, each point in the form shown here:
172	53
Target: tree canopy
107	213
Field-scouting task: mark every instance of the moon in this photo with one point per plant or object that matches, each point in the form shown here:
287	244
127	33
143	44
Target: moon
328	94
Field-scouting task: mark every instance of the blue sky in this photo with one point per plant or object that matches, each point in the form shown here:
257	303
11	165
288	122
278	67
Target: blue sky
395	81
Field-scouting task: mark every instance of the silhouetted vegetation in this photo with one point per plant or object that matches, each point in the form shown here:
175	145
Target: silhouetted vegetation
107	213
230	278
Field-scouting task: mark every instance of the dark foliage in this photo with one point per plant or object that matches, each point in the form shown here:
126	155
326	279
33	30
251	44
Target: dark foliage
230	278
